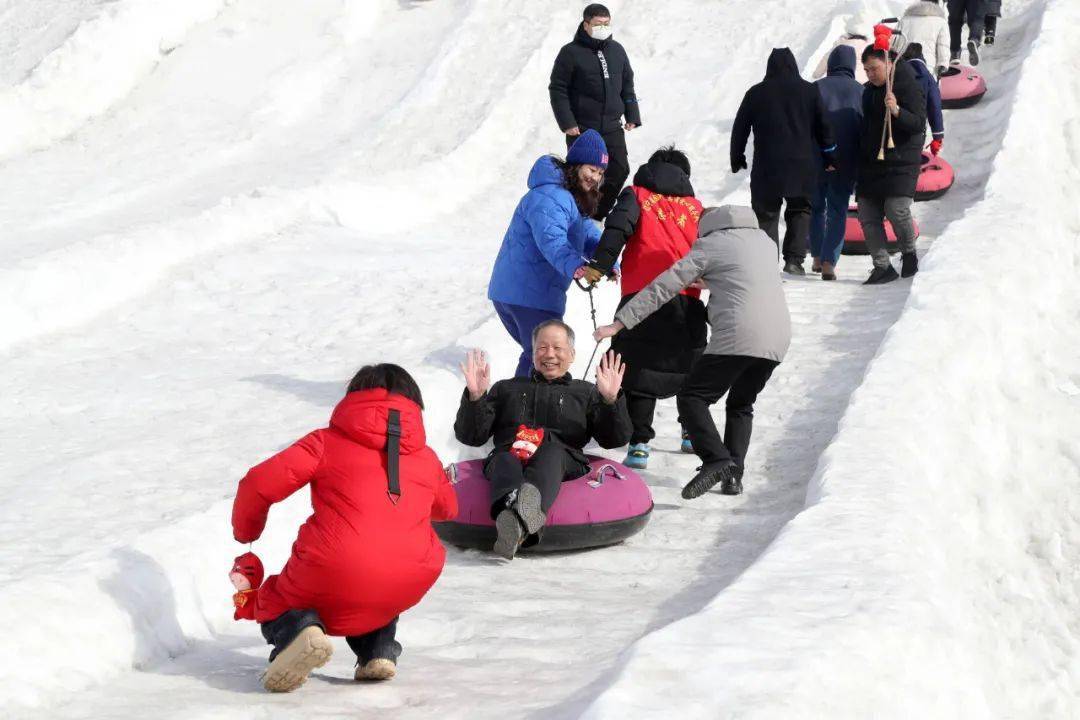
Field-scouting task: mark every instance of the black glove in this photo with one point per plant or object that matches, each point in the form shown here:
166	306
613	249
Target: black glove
738	163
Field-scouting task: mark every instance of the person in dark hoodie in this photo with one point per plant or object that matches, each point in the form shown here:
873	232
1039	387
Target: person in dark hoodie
842	95
791	135
914	55
886	188
653	225
592	87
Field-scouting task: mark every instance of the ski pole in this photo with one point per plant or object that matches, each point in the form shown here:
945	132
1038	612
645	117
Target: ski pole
592	309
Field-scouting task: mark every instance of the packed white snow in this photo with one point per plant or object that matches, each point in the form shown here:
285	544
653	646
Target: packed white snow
213	212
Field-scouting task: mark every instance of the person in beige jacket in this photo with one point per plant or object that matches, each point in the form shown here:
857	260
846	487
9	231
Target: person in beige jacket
751	332
925	22
858	33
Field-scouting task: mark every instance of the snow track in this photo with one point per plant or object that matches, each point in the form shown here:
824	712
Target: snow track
298	189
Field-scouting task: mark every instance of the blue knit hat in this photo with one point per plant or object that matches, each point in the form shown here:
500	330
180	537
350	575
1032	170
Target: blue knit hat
588	149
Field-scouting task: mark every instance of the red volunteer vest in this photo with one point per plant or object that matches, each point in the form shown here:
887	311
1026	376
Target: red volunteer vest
664	234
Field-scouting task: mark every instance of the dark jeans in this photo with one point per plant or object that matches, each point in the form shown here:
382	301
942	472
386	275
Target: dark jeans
797	217
519	322
546	470
829	218
283	629
618	169
974	13
741	378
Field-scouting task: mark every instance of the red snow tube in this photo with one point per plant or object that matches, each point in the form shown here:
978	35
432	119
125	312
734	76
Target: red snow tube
603	507
935	178
961	86
855	243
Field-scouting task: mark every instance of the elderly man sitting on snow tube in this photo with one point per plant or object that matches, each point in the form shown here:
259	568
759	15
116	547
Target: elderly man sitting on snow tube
540	424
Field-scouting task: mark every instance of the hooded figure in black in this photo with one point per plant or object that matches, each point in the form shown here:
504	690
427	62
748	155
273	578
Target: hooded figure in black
791	135
592	88
660	352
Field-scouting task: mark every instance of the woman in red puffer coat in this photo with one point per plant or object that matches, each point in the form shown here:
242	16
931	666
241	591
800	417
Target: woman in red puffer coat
368	552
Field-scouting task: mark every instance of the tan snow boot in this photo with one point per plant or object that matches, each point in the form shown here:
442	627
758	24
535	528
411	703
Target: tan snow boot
377	669
290	668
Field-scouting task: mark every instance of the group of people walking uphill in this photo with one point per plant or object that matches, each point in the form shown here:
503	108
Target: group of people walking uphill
368	551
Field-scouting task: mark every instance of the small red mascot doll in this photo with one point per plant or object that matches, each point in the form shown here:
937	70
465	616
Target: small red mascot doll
246	576
527	441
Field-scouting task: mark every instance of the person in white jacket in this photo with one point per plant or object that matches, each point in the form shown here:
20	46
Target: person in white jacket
926	23
858	33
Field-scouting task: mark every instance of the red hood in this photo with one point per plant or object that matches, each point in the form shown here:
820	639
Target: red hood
362	416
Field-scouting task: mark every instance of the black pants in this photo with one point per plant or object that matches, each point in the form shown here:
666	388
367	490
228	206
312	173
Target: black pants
618	169
741	378
546	470
797	217
973	12
642	408
380	643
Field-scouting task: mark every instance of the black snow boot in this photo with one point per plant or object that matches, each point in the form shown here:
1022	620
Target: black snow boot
973	52
794	268
709	475
954	57
990	30
909	264
880	276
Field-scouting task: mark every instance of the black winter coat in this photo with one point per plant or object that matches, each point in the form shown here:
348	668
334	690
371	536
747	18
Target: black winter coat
570	412
592	85
791	133
661	351
898	173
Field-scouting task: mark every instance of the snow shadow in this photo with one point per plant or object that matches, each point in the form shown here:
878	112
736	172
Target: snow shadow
321	393
143	590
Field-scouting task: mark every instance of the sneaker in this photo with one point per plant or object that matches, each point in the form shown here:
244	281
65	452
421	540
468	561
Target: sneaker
376	670
509	534
909	264
828	271
290	668
637	456
794	268
954	57
880	276
687	446
973	52
709	475
528	508
988	37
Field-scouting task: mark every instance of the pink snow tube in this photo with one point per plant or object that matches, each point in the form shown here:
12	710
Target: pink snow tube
855	242
604	507
935	178
961	86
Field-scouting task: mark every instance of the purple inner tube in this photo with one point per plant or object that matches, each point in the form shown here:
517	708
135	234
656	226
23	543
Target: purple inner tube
605	506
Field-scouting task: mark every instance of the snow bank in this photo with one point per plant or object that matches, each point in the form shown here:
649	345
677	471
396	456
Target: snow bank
98	64
933	573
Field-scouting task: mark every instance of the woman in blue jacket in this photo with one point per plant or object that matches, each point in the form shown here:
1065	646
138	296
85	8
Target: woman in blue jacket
549	241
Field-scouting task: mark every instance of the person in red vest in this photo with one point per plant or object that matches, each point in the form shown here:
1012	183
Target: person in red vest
653	225
368	551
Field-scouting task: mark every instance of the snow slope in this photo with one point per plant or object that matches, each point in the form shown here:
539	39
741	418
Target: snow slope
198	255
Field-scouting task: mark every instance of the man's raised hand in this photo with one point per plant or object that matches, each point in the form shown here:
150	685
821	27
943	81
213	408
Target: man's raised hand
609	376
477	373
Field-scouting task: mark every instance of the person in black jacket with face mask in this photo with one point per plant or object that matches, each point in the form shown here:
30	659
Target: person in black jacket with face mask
525	479
791	135
592	88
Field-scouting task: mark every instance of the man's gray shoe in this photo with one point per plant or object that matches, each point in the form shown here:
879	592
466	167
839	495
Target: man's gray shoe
709	475
509	534
527	505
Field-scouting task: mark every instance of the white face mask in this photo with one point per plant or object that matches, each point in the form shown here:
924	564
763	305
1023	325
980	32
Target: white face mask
600	32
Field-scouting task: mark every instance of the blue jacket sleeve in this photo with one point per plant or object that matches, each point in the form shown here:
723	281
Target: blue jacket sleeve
933	110
550	225
592	236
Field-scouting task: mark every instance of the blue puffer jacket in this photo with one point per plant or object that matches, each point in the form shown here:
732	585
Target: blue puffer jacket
842	94
547	241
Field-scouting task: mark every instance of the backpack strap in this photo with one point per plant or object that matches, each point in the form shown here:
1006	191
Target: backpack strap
393	455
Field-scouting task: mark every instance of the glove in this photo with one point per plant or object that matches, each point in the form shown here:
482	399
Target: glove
592	275
935	146
738	163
